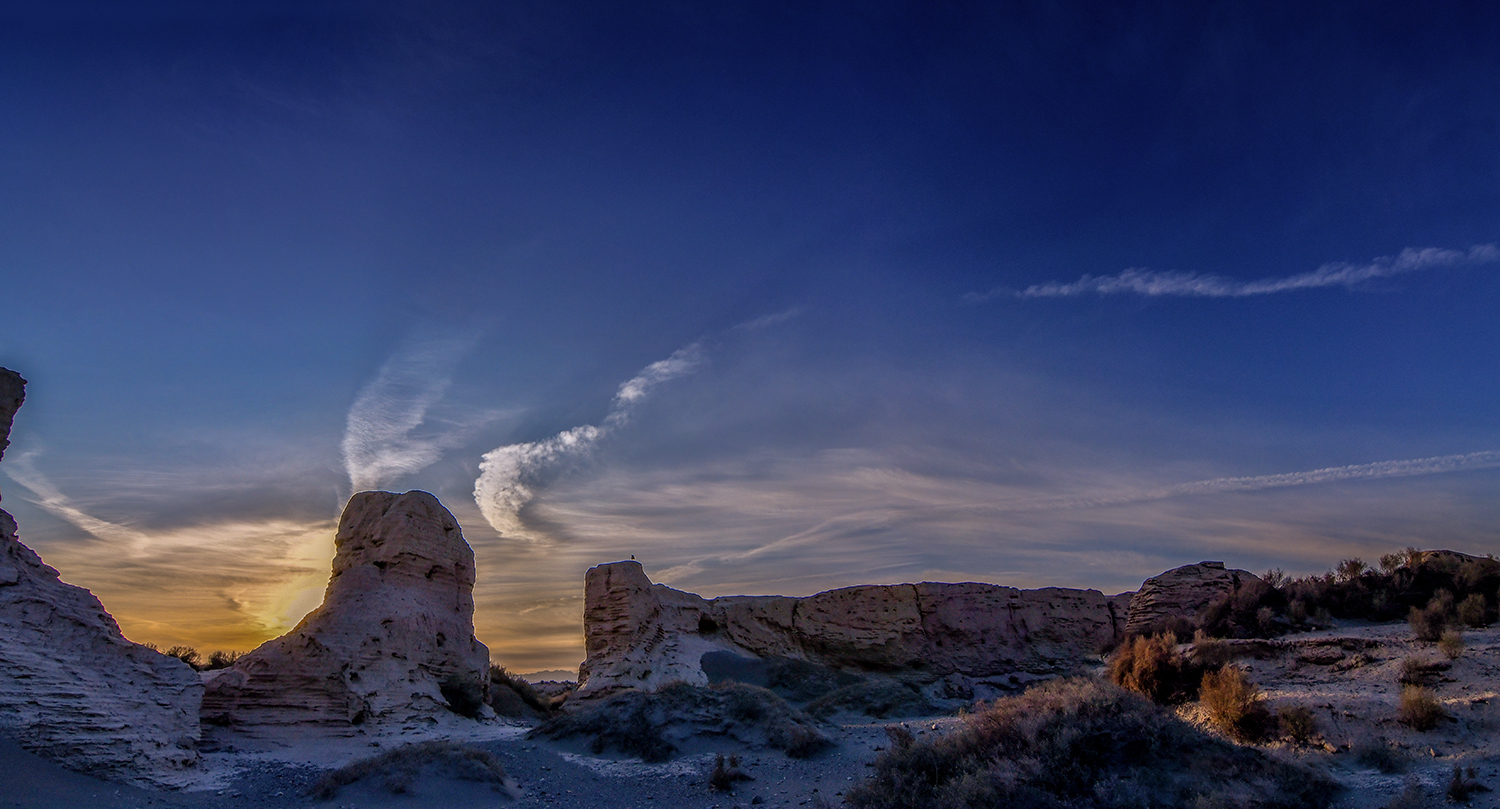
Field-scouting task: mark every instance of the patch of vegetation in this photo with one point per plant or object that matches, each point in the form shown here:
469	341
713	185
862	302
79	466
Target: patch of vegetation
1451	644
726	774
879	697
1419	709
1419	671
1463	784
511	695
396	770
641	724
1234	705
1297	722
1410	797
1381	754
1153	667
1086	744
465	695
1473	612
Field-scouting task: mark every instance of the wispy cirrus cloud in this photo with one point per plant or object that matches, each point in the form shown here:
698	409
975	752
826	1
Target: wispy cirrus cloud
1154	283
22	469
511	476
384	437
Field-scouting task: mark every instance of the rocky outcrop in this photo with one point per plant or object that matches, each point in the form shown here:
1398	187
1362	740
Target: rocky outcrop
643	635
1181	593
72	688
392	643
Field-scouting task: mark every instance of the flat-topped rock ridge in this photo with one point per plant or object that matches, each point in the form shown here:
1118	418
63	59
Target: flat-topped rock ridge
642	635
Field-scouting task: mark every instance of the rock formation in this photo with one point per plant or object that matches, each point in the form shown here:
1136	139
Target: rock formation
393	641
643	635
72	688
1181	593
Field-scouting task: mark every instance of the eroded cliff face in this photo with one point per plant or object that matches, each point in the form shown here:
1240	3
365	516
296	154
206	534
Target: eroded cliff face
1181	593
643	635
72	688
393	641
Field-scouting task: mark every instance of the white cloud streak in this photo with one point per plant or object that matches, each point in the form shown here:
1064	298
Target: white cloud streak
379	443
512	475
1152	283
23	471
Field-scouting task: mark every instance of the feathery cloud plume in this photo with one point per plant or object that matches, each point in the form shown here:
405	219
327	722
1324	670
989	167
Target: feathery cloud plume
23	470
379	442
510	476
1152	283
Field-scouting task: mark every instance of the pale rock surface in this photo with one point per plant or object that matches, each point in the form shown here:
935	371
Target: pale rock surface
72	688
643	635
395	626
1181	593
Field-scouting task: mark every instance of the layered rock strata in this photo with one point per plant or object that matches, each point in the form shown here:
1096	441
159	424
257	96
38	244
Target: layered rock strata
72	688
643	635
393	641
1181	593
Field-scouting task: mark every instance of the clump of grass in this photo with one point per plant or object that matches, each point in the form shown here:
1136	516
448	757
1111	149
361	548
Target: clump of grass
1419	709
398	769
1451	644
1081	743
1153	667
639	723
1234	705
1298	722
1462	785
726	774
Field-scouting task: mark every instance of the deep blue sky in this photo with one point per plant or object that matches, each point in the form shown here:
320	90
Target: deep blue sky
251	261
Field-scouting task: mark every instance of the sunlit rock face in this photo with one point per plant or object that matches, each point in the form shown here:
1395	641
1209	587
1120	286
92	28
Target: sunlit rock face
72	688
392	643
1181	593
644	635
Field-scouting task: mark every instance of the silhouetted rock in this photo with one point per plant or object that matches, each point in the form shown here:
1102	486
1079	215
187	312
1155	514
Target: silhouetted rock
393	641
644	635
72	688
1181	593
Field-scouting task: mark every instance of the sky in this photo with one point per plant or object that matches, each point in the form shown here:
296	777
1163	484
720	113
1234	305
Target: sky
774	297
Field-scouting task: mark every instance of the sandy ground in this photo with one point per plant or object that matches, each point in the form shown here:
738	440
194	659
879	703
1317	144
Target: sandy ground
1353	693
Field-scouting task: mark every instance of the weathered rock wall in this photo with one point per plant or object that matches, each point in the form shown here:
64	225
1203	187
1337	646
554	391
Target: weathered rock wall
395	630
72	688
643	635
1181	593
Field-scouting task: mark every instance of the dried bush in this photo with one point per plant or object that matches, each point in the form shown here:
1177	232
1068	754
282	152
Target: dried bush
1210	652
1463	784
1298	722
1419	709
726	774
1427	624
1234	705
1419	671
1451	644
397	769
1082	743
1350	569
186	654
1474	612
465	695
1381	754
512	695
1152	666
221	659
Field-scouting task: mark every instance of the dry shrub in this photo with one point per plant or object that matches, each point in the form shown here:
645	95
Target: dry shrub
1419	709
1153	667
1427	624
1451	644
397	769
1378	752
1473	612
1298	722
186	654
1463	784
726	774
1082	743
221	659
1210	652
511	695
880	697
1418	671
1234	705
